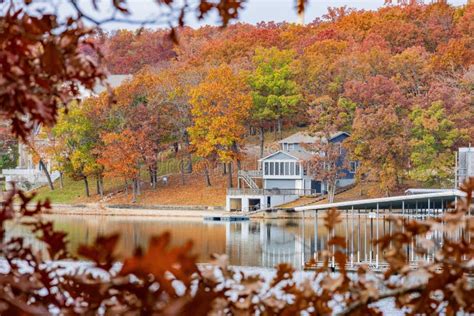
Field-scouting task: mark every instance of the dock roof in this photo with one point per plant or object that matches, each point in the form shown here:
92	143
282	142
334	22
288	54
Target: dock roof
388	202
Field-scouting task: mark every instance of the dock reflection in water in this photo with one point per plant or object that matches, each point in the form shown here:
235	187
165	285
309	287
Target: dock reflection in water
263	243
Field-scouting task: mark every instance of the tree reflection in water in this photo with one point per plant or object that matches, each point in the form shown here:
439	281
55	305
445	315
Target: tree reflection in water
263	243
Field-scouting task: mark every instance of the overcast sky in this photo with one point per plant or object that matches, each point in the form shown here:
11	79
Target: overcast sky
255	10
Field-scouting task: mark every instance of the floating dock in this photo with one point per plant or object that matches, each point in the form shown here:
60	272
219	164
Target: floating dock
225	217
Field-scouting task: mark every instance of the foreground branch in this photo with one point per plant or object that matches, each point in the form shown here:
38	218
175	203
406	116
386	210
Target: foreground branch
358	304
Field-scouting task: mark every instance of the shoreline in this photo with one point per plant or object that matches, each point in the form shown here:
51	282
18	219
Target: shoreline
183	211
176	211
97	209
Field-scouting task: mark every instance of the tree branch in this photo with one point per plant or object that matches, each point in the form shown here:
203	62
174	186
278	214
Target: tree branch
400	291
113	18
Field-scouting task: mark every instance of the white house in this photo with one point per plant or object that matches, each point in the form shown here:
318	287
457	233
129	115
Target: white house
281	177
284	170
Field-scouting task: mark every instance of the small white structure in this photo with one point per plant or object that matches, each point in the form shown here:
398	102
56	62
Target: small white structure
465	165
28	174
281	177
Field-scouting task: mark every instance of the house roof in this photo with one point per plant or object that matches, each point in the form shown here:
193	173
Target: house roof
113	80
297	154
300	154
307	138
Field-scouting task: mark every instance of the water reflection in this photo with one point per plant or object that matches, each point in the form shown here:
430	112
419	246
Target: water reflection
255	243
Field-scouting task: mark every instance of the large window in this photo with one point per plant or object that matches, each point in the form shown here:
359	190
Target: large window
353	166
282	168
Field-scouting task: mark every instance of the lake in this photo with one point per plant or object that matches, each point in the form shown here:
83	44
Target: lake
260	243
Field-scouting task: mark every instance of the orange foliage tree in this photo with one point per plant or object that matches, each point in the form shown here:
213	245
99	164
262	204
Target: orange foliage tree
220	106
121	157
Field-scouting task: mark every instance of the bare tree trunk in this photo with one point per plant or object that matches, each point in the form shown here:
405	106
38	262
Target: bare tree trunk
189	165
229	176
101	184
152	181
206	175
100	189
187	143
224	168
182	171
86	185
61	180
262	140
97	185
46	173
153	176
279	128
134	191
126	187
235	149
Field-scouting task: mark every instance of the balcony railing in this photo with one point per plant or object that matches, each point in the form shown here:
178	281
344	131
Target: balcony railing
249	191
250	173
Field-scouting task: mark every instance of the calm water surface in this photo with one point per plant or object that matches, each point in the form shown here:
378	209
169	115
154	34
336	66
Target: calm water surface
263	243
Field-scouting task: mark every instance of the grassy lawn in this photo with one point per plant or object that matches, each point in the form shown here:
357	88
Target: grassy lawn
194	192
73	191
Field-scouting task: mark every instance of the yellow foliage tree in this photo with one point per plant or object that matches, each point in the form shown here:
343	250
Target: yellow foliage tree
220	106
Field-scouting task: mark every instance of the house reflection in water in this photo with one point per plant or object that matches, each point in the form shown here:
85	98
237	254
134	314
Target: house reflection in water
248	243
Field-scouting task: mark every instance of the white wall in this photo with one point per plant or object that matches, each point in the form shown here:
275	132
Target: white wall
280	184
245	201
275	200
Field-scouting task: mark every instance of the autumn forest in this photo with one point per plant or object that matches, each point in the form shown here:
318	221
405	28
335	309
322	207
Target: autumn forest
400	80
180	111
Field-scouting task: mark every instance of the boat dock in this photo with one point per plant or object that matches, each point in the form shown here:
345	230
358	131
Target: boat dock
424	203
225	217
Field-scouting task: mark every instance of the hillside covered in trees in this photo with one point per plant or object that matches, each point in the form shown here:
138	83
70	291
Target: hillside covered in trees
400	80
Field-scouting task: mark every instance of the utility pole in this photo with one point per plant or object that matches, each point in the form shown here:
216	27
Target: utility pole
301	18
455	170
